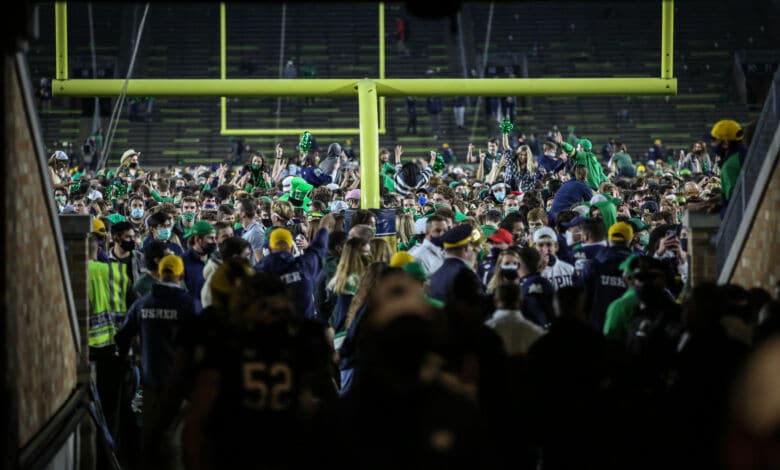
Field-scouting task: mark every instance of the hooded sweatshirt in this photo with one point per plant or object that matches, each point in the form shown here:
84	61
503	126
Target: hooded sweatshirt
327	166
595	172
569	194
299	273
603	282
608	213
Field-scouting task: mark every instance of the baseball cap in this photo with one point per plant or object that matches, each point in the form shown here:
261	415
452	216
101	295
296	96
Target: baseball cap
332	186
545	232
98	227
621	232
201	228
401	259
354	194
171	264
278	236
419	226
501	235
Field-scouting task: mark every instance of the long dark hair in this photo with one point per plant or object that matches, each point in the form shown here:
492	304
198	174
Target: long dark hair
410	172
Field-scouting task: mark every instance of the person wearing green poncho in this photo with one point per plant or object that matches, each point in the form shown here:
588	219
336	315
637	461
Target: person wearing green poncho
727	137
582	155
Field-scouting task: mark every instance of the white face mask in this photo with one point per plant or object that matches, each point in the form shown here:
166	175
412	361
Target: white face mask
569	238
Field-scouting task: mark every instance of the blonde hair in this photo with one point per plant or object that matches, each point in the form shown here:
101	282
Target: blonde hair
495	281
363	291
404	224
380	250
529	158
351	263
283	209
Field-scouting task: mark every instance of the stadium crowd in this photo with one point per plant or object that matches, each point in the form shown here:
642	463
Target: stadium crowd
518	308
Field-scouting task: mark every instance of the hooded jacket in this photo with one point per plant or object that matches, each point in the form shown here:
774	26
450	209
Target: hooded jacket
603	282
595	172
608	213
299	273
329	163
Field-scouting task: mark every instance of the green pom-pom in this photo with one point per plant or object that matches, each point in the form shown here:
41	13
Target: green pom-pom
305	143
74	188
438	164
506	126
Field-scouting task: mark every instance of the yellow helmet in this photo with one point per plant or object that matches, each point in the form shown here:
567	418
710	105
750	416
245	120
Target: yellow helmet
727	129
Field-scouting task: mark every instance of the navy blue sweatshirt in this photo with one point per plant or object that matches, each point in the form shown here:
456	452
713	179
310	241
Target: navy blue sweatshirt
158	318
569	194
299	273
603	282
537	299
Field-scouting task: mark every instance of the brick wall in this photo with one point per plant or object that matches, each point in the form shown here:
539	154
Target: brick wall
759	262
35	294
703	263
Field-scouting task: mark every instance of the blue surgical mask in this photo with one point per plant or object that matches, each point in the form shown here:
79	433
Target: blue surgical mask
136	212
499	196
209	206
422	200
164	234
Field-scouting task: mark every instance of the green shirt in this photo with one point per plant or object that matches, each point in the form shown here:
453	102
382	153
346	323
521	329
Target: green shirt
595	172
729	174
622	160
620	313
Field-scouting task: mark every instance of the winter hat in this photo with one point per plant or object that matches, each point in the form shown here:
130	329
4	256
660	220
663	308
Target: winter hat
728	130
586	144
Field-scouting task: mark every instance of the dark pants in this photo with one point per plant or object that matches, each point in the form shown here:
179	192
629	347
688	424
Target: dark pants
411	125
159	440
109	375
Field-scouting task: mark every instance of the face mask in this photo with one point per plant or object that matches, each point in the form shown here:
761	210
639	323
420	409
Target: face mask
644	240
499	196
509	210
188	216
136	212
684	244
127	245
61	199
134	165
437	241
255	167
209	206
535	228
209	248
164	234
569	238
509	272
422	200
267	222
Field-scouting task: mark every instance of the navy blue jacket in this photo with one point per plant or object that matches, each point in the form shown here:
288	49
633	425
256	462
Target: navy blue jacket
193	276
441	281
537	299
174	247
315	177
551	165
487	266
299	273
583	255
603	282
569	194
158	318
